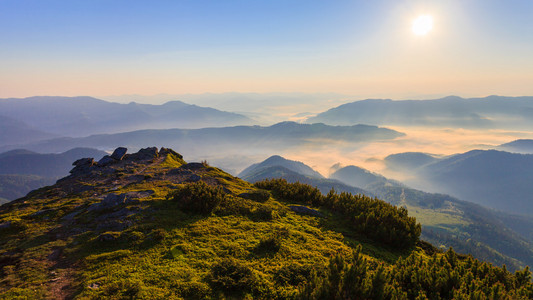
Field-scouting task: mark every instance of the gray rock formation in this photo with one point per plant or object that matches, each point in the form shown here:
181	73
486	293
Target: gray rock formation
306	211
119	153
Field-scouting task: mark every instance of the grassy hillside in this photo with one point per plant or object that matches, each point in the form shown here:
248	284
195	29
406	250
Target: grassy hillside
152	226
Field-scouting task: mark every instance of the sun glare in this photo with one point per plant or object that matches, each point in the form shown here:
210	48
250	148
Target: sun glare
422	25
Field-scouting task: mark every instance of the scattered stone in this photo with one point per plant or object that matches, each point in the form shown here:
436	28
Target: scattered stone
113	225
193	166
94	286
106	160
5	225
108	237
71	216
139	194
41	212
306	211
56	253
193	178
119	153
179	171
110	201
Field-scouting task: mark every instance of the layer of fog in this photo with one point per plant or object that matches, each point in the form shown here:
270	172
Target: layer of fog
321	156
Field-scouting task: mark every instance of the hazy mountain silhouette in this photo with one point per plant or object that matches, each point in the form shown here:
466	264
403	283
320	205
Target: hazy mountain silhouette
232	139
47	165
81	116
359	177
16	132
295	171
496	179
408	161
276	160
519	146
452	111
22	170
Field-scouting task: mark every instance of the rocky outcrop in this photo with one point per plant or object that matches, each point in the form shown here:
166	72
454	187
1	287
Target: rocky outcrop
119	153
306	211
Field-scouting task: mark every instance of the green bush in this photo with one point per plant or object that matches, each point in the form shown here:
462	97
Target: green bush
232	277
372	217
256	195
269	244
197	197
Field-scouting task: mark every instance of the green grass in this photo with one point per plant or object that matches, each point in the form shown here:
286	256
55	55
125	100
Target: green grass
167	253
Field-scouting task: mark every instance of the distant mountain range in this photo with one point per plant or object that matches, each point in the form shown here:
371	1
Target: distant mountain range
22	171
469	228
232	139
17	132
495	179
452	111
295	171
276	160
519	146
82	116
359	177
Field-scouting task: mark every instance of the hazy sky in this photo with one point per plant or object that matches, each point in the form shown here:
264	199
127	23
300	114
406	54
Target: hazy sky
363	48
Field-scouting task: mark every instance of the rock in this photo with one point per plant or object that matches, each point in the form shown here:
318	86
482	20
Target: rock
5	225
82	165
119	153
306	211
83	162
139	194
179	171
108	237
40	212
165	151
56	253
121	214
110	201
193	166
71	216
113	225
193	178
94	286
106	160
144	154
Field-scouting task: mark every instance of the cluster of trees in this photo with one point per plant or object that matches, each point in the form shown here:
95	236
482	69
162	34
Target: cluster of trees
441	276
372	217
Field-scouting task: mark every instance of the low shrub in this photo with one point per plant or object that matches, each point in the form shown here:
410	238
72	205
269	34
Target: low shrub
197	197
232	277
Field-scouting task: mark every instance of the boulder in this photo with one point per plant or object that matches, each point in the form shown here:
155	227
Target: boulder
119	153
193	178
144	154
106	160
108	237
306	211
165	151
5	225
82	165
110	201
83	162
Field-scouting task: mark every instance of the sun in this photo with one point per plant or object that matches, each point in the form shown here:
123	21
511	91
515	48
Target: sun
422	25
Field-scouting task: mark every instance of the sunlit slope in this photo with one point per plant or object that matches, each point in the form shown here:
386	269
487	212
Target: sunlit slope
149	225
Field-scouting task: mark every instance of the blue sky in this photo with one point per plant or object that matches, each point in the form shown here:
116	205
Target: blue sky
477	47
